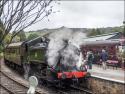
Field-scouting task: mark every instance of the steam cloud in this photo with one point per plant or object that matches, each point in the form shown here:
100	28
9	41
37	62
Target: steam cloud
70	52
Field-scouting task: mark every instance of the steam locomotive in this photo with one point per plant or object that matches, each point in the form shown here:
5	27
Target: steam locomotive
29	57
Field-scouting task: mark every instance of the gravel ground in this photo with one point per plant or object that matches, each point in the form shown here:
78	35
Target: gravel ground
3	91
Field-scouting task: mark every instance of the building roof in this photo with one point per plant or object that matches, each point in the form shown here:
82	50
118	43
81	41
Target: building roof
103	37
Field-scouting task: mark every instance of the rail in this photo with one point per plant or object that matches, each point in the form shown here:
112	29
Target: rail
9	89
83	89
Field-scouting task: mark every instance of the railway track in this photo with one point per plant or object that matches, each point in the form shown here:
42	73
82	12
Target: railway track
13	86
84	90
4	90
71	90
67	90
11	83
74	90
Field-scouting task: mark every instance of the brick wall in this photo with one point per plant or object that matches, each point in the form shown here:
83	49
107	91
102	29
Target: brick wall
102	86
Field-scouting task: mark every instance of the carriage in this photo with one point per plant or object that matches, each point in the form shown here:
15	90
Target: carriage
114	47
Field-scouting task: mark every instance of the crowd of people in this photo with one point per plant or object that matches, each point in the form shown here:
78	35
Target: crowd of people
102	57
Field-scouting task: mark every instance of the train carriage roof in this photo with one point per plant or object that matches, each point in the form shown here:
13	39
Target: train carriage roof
28	43
34	41
17	44
104	39
102	42
108	36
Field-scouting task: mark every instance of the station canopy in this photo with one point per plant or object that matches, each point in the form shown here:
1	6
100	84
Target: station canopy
111	38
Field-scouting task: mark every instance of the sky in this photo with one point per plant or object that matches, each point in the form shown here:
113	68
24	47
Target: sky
83	14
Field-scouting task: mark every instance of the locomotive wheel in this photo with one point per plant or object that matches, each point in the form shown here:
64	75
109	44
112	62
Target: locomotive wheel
60	84
14	66
26	68
75	80
20	69
6	62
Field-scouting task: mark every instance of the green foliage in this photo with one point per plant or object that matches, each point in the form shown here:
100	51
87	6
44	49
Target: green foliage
124	31
19	36
15	39
123	54
1	48
117	29
7	39
1	55
22	35
94	32
32	36
99	31
1	29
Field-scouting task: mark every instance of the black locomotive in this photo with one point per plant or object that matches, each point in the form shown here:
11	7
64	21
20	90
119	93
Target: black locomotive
29	57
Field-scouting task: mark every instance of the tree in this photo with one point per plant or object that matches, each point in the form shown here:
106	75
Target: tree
7	39
16	15
32	36
124	28
98	32
1	34
94	32
1	29
22	36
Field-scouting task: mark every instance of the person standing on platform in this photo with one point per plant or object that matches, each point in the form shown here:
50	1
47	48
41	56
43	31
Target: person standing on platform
89	58
104	57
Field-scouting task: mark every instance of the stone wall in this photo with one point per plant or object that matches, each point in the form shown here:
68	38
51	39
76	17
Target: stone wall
102	86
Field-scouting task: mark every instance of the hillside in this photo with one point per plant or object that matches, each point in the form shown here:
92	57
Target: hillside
88	31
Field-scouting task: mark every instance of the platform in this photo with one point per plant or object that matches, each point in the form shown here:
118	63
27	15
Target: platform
117	75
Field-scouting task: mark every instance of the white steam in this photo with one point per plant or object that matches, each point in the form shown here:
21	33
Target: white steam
70	55
58	47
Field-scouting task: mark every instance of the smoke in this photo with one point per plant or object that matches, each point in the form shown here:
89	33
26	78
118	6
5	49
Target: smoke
65	43
70	55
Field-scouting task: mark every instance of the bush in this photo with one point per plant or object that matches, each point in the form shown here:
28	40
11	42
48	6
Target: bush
1	55
123	54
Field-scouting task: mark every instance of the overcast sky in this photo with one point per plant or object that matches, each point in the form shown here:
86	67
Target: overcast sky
84	14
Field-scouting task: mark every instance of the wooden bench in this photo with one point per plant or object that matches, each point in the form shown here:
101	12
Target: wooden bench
113	63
